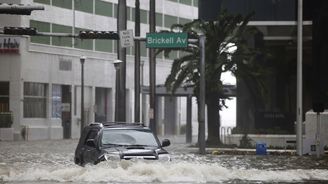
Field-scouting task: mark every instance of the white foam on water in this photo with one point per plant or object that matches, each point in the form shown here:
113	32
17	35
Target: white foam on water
172	172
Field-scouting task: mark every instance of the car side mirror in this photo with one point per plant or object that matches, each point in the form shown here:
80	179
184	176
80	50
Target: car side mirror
91	143
166	142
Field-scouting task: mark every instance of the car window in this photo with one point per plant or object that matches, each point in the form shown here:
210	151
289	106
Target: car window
128	137
91	135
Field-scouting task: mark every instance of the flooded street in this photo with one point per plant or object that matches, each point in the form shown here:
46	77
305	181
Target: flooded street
52	162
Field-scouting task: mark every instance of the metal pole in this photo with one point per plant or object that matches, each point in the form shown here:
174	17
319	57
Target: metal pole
143	109
73	28
152	71
82	60
117	91
317	137
117	67
299	110
201	137
189	121
137	65
121	25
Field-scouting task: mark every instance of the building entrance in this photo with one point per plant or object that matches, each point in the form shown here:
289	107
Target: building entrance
61	107
66	111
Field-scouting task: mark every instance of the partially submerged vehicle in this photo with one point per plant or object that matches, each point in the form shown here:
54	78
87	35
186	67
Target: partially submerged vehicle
119	141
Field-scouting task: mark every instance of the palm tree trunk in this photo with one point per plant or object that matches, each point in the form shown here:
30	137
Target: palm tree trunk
213	119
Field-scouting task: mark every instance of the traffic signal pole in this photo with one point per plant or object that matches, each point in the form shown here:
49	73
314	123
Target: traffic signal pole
137	65
18	9
121	102
152	71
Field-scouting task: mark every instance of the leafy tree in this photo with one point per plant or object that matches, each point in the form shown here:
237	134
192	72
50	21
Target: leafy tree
223	35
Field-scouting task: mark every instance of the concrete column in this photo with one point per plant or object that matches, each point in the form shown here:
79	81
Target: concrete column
159	120
170	115
92	103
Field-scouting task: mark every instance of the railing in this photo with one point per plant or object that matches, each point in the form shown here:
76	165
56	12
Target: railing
6	119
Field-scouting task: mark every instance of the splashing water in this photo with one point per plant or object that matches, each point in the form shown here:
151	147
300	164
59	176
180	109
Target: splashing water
52	162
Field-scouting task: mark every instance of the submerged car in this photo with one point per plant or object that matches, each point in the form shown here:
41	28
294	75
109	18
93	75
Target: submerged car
119	141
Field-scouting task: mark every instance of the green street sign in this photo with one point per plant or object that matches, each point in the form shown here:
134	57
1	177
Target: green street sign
166	40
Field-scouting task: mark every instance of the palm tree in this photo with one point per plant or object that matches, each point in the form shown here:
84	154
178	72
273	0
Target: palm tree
226	33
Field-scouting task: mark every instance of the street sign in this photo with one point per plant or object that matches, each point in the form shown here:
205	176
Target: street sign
166	40
126	38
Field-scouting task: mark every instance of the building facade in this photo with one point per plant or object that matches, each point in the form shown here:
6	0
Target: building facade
274	111
40	76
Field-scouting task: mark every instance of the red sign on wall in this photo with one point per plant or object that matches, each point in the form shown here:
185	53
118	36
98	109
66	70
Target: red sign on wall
9	45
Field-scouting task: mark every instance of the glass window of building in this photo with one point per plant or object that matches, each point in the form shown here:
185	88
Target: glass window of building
4	96
114	42
41	27
196	3
133	16
62	3
84	5
104	45
128	13
187	2
61	41
143	16
56	101
42	1
159	19
104	8
35	98
115	10
170	20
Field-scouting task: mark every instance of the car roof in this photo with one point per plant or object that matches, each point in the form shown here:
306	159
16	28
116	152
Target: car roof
118	125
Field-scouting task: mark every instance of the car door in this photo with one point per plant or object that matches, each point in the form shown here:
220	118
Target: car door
90	151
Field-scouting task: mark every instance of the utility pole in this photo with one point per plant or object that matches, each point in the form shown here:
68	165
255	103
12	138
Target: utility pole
299	108
152	70
121	102
137	65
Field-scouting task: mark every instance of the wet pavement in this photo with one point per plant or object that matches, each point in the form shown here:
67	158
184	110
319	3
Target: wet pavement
52	162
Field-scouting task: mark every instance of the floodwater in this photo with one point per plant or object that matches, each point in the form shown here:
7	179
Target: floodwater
49	162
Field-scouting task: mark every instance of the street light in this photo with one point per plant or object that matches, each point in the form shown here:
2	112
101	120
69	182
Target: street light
82	60
117	64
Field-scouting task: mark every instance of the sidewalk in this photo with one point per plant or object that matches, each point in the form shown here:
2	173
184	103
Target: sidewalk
178	143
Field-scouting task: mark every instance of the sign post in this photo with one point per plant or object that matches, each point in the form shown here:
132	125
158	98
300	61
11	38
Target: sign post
166	40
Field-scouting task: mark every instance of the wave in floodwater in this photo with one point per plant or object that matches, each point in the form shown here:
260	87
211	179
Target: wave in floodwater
49	162
148	172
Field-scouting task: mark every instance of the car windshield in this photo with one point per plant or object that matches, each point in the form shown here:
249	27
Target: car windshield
128	137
